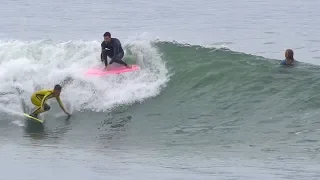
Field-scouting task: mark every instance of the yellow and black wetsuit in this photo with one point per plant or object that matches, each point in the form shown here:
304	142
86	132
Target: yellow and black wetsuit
39	99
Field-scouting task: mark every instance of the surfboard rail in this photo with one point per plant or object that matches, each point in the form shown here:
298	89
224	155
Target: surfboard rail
112	70
36	119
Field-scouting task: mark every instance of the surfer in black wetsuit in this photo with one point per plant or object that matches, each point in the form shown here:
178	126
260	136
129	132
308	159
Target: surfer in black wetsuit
111	47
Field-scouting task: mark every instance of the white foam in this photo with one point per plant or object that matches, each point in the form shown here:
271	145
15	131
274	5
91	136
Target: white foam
18	122
29	66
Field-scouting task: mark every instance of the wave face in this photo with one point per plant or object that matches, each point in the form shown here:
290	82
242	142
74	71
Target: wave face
204	105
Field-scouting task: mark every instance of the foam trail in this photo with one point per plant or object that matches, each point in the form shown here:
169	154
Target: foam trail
15	113
11	111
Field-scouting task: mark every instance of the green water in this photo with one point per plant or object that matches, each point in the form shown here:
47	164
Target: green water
209	107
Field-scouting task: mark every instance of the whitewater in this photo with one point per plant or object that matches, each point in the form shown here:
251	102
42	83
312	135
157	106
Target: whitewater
30	66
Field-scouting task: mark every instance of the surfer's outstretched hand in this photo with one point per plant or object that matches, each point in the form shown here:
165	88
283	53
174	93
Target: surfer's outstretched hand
67	113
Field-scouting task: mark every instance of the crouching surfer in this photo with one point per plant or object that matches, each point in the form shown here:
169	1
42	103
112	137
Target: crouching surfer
39	99
111	47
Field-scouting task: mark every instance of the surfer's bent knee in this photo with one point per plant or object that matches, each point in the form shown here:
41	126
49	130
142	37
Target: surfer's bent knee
120	56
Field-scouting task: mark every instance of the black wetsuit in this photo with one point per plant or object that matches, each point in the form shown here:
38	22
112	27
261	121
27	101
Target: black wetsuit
112	50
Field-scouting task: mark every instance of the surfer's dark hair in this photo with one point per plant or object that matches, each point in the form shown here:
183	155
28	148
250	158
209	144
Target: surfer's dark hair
107	34
290	54
57	87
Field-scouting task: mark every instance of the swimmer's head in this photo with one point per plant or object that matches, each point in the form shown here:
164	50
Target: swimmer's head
56	90
289	54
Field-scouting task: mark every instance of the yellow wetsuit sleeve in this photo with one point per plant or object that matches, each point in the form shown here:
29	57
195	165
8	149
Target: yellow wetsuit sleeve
45	98
60	103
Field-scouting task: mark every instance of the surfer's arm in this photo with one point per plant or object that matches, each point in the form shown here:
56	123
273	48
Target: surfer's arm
102	49
61	105
114	56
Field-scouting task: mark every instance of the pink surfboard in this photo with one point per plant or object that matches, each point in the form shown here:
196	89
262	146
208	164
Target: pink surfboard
112	70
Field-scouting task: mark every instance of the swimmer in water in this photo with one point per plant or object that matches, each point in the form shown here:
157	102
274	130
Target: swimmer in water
289	58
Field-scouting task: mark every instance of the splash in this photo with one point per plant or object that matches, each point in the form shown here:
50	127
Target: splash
29	66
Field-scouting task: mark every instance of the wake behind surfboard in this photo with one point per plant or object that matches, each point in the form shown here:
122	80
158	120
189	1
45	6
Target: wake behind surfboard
112	70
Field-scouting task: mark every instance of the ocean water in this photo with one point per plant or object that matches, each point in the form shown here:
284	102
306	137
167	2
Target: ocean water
210	102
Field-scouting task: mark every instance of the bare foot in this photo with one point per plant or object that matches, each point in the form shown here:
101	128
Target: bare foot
106	68
129	66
